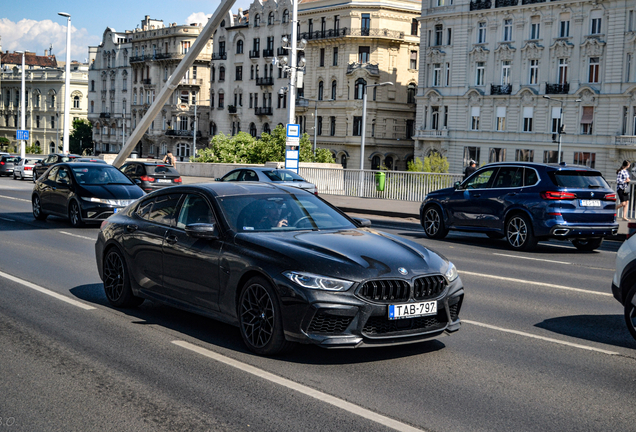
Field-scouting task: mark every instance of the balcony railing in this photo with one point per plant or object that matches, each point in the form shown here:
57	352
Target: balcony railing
163	56
320	34
146	81
302	103
182	133
373	69
231	109
191	81
478	5
104	115
255	54
531	1
504	89
625	140
219	56
263	111
432	133
506	3
394	34
268	52
281	51
267	81
557	88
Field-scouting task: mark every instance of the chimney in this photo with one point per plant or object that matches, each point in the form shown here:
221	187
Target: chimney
46	52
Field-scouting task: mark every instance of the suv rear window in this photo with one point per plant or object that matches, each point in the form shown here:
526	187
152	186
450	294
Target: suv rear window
578	179
161	169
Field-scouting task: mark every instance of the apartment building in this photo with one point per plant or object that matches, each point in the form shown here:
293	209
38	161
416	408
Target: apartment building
129	71
45	90
500	79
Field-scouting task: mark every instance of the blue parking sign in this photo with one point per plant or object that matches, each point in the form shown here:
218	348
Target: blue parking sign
22	135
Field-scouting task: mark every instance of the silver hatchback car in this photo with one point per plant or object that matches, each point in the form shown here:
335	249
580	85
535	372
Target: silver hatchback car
282	177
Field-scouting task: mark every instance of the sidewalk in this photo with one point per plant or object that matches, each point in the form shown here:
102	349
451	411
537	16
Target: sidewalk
386	208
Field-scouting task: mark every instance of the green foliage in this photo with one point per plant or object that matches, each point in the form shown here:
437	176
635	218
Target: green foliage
435	163
4	141
81	137
33	149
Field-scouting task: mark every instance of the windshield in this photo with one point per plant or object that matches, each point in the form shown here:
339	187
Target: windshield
578	179
281	212
283	175
67	158
100	175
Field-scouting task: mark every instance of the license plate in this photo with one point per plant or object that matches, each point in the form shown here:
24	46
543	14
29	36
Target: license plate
115	210
412	310
590	203
164	181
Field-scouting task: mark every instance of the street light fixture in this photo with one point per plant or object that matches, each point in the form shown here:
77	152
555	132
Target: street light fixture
67	81
560	128
22	106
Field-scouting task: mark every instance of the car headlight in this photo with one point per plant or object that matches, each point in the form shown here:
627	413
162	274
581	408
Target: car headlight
113	202
451	273
312	281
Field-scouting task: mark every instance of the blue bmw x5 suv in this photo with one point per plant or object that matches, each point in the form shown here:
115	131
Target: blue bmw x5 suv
526	202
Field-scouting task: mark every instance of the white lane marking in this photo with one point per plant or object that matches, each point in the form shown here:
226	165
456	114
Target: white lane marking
316	394
533	259
6	219
78	236
13	198
530	335
547	285
46	291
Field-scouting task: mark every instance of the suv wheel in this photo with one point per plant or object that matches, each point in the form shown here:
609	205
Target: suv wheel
433	223
630	312
587	245
519	233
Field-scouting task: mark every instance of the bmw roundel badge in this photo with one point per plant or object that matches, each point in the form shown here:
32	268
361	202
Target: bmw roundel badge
403	271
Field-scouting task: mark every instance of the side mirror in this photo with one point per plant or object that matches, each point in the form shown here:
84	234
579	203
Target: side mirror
458	185
218	179
137	181
202	230
362	222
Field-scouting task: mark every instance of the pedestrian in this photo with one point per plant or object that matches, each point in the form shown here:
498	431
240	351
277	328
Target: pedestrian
471	168
169	158
622	180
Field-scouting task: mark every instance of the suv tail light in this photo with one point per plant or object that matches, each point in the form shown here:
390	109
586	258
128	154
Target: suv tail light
558	195
631	229
610	197
147	178
178	180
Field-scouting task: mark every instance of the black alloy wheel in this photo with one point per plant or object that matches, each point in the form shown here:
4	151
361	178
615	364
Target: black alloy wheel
433	223
519	233
588	245
116	281
38	214
260	321
630	312
75	214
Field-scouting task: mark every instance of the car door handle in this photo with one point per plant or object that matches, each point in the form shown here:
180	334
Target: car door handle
477	195
131	228
512	194
171	239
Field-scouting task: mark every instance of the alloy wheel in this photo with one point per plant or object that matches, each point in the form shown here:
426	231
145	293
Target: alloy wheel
74	215
113	276
432	222
257	316
517	232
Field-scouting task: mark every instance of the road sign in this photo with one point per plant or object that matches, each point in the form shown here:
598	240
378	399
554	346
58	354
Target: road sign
291	160
291	141
22	135
293	131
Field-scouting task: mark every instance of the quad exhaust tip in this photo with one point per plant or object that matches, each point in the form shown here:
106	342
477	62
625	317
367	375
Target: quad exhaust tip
561	231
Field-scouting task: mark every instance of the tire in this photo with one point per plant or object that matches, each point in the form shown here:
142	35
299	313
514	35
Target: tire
630	312
75	214
14	176
260	320
494	235
36	204
588	245
117	281
519	233
433	223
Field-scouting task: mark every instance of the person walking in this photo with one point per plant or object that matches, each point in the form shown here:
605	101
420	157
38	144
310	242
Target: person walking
169	158
622	182
471	168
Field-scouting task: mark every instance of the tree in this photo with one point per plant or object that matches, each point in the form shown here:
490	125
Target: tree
435	163
81	137
4	142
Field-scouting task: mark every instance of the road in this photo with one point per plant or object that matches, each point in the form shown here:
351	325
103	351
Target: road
543	346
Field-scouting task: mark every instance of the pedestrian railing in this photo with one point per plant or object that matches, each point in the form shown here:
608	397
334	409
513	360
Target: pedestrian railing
398	185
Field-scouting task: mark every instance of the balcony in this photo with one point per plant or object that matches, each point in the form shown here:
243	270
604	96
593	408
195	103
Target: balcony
505	89
525	2
326	34
506	3
255	54
557	88
393	34
104	115
191	81
263	111
625	140
282	51
478	5
146	81
182	133
267	81
431	133
268	52
219	56
373	69
302	103
231	109
163	56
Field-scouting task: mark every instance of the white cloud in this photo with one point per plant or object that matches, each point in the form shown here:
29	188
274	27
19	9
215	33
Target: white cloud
198	17
36	36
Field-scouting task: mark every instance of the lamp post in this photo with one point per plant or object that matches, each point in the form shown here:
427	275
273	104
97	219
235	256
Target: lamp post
22	107
559	129
67	81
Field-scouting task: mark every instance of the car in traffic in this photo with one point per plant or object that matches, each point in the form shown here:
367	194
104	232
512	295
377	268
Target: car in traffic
524	203
88	159
52	159
624	281
281	264
83	192
24	168
151	175
7	164
270	175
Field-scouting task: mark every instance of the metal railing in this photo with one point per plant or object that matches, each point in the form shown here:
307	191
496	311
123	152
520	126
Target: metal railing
478	5
394	34
219	56
504	89
398	185
266	81
325	34
557	88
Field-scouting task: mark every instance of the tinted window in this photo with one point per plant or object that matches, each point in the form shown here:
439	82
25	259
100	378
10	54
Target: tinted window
63	176
509	177
481	180
233	176
99	174
163	209
161	169
578	179
66	158
52	174
11	159
530	177
280	175
128	169
195	209
144	208
249	175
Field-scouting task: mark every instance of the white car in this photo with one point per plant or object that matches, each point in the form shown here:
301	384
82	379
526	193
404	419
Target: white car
24	169
624	282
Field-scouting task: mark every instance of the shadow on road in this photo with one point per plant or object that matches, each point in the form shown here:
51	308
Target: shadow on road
606	329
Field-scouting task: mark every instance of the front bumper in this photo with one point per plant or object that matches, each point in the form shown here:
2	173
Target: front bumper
583	231
97	212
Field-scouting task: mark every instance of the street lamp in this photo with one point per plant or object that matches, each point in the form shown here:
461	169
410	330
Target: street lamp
316	116
67	82
22	107
560	128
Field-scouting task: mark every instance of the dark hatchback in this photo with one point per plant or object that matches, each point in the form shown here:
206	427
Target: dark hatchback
52	159
525	203
322	279
83	192
8	164
151	175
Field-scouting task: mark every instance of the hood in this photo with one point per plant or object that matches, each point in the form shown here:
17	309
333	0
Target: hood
353	254
112	191
441	193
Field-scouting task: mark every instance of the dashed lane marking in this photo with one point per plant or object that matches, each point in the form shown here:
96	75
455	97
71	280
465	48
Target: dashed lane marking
14	198
78	236
533	259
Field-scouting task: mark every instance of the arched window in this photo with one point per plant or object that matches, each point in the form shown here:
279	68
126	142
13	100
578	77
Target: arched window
375	162
257	20
334	85
253	130
410	93
343	161
183	151
388	162
76	101
239	47
270	18
266	128
212	73
92	85
320	90
361	85
52	147
222	23
212	129
285	16
221	73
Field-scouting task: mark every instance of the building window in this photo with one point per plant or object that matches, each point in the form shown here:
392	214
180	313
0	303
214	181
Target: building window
550	156
563	71
360	88
76	102
320	90
587	120
365	24
257	20
332	126
185	47
447	75
239	73
239	47
534	71
564	27
479	75
435	118
270	18
221	100
414	26
322	57
595	22
334	86
628	67
481	33
335	56
221	73
507	30
585	158
497	155
336	22
471	153
411	90
535	28
413	62
439	34
594	70
285	16
474	118
524	155
528	113
319	125
501	118
505	72
364	53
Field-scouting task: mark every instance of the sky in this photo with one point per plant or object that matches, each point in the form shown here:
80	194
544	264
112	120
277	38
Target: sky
34	25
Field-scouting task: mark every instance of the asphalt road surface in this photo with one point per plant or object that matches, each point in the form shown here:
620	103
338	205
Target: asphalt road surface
543	347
